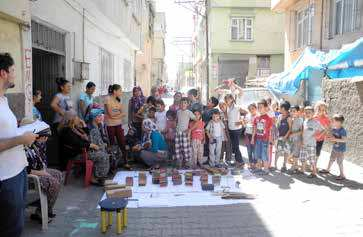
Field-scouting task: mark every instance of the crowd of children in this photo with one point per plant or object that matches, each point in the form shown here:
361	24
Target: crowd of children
197	135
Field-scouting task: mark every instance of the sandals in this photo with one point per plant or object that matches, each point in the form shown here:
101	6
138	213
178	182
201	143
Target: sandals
340	178
312	176
324	171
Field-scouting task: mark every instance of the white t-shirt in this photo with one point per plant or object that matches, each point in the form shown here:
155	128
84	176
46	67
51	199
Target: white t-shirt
13	160
249	123
233	116
160	118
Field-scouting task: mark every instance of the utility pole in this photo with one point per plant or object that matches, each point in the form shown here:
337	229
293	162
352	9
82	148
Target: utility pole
207	45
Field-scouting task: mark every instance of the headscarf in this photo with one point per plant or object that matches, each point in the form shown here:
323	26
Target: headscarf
137	101
95	112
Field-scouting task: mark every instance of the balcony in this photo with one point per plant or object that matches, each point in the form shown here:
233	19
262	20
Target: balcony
281	5
263	72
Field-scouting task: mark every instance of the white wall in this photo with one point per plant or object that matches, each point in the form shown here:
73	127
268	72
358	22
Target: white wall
100	32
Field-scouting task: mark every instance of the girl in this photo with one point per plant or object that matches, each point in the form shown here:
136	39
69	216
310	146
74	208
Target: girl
86	100
233	114
216	135
149	125
37	97
135	104
113	119
62	102
321	115
177	97
196	130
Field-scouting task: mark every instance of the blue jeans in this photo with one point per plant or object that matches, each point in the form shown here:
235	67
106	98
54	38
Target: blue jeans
261	150
235	135
12	204
251	150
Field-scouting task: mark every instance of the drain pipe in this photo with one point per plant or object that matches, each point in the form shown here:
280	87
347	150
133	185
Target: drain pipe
83	34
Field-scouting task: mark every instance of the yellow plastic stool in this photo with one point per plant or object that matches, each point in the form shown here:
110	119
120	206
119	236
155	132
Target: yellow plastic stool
110	205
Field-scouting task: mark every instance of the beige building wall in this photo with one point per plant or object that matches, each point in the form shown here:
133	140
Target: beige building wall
143	66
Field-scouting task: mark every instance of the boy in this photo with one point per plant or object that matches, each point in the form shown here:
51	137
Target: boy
160	116
183	150
262	136
339	137
248	121
283	132
148	124
210	109
216	133
193	98
197	135
308	149
295	137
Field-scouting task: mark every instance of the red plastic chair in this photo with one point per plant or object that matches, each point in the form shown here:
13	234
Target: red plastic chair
88	168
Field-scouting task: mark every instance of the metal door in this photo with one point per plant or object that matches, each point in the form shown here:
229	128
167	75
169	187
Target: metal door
237	69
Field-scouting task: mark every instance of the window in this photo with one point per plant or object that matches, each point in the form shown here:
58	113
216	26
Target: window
107	70
347	15
304	20
128	82
241	29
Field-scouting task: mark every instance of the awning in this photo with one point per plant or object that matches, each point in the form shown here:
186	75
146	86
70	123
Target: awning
346	62
288	82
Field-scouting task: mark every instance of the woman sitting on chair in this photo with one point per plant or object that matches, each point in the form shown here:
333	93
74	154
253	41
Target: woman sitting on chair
74	139
100	157
50	179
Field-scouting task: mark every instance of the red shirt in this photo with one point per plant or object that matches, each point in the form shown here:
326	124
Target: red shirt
325	123
198	132
263	125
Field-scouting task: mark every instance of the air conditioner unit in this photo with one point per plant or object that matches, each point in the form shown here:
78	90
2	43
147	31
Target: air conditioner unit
81	70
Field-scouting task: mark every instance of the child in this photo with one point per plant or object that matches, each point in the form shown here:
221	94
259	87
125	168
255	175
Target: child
170	130
216	134
143	111
252	108
193	99
308	150
322	117
283	132
262	135
149	125
295	136
160	116
339	136
183	149
209	110
196	129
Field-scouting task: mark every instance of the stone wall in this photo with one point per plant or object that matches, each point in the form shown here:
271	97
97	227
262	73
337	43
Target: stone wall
346	97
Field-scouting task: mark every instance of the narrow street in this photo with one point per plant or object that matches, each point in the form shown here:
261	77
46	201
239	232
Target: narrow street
285	206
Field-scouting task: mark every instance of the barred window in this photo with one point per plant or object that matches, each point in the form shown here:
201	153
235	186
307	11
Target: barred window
107	70
241	29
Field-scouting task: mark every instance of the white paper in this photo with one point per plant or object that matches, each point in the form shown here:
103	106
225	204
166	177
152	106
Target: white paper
152	195
35	127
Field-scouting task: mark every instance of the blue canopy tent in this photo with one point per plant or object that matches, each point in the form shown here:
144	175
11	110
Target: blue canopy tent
346	62
307	67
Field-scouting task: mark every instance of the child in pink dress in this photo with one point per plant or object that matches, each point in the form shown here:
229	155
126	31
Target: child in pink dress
197	135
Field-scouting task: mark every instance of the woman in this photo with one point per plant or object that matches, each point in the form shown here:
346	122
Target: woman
62	102
100	157
74	138
113	119
155	151
50	179
86	99
37	97
176	104
135	104
234	122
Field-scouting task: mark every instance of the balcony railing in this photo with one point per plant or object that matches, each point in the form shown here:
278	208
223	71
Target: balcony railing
263	72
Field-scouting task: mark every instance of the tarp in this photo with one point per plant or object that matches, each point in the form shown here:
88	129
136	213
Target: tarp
346	62
288	82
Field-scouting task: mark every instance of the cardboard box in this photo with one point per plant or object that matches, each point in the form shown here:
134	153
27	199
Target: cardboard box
119	193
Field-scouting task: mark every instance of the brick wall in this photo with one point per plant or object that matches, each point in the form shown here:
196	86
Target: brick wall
346	97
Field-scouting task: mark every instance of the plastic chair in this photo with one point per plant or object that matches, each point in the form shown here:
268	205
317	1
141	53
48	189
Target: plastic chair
42	197
88	168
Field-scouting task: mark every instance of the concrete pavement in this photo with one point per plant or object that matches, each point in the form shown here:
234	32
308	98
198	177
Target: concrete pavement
292	206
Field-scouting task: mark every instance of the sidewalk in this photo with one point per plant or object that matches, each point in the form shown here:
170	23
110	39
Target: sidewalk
291	206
